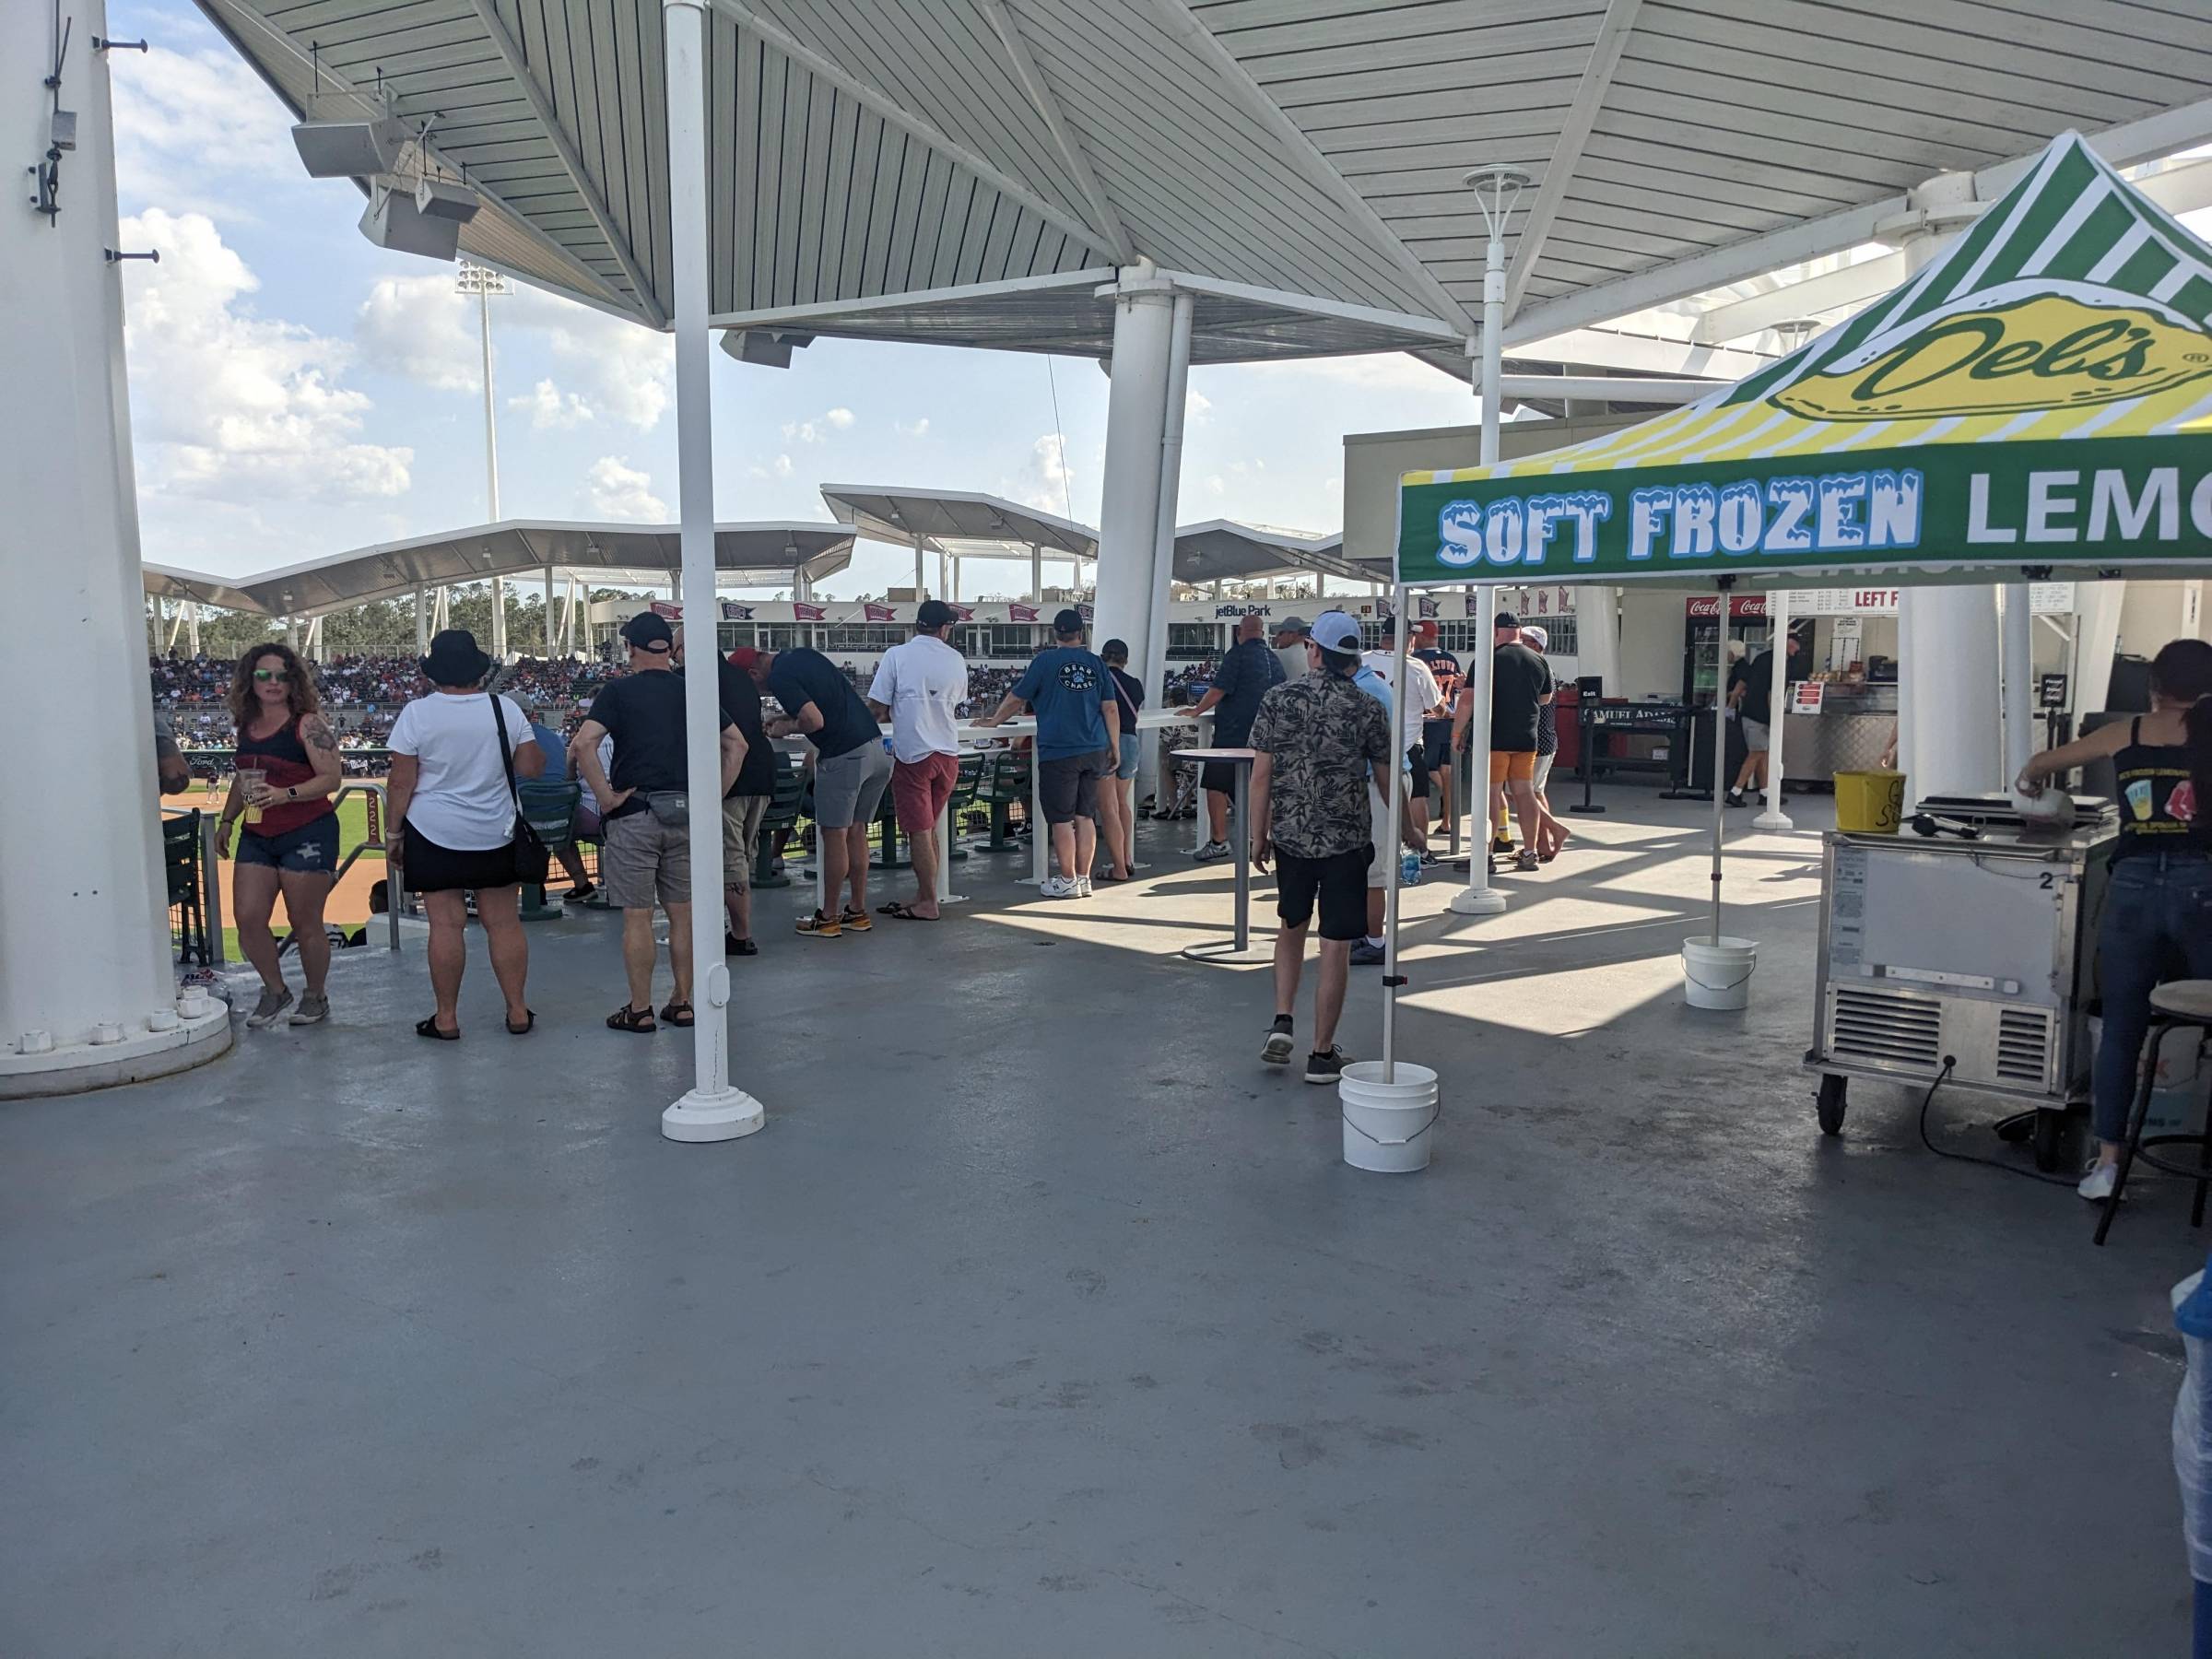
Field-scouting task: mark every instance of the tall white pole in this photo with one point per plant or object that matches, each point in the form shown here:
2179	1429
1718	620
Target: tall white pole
956	579
191	626
1497	189
2017	663
1136	416
1155	669
715	1110
422	621
1037	572
491	420
1720	765
920	588
1778	704
87	995
549	617
1389	851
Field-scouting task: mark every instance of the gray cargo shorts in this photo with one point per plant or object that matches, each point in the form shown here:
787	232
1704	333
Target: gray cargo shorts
849	787
642	859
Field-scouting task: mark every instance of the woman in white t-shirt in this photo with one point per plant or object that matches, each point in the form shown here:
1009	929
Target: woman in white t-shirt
452	812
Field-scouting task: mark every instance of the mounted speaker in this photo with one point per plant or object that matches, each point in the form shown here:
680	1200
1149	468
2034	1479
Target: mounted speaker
768	348
350	149
391	221
443	199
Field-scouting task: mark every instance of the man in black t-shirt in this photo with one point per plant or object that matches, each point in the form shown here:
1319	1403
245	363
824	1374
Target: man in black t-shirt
1750	693
745	805
1520	685
645	845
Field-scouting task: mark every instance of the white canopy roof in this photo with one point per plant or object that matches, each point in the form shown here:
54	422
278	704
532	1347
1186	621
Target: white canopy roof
956	521
744	555
1303	155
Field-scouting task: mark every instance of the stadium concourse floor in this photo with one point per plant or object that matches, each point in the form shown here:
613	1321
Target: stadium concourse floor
1042	1320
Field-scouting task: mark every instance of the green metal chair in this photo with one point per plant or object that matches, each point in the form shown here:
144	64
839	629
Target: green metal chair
182	866
964	787
550	809
1005	783
782	814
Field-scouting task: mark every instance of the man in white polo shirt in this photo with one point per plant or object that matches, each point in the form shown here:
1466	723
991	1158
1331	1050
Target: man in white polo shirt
918	688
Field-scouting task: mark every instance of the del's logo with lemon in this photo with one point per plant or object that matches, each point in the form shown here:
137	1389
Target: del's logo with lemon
2048	352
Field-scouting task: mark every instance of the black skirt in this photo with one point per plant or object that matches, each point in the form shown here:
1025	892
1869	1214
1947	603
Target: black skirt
427	867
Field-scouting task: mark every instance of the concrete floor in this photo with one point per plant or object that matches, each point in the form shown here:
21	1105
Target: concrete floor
1043	1319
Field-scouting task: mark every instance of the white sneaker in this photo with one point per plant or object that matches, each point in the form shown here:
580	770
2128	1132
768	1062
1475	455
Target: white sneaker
2098	1184
1082	886
1058	887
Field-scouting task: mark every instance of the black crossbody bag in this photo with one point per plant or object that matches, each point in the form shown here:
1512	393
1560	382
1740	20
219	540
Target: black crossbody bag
531	859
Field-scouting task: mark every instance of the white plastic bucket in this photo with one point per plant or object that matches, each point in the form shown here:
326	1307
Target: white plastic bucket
1388	1126
1718	976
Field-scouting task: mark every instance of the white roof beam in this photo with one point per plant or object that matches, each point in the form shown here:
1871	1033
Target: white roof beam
1575	133
1428	328
1831	291
795	317
1644	354
1109	228
1609	389
557	135
1177	18
2128	144
904	119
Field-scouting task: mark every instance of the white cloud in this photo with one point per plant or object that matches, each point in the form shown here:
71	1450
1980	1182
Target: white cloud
1050	482
820	427
840	419
1214	483
782	466
614	489
191	127
919	429
550	409
1197	406
228	405
418	327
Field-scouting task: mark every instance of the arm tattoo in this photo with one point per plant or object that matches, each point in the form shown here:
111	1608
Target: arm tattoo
318	733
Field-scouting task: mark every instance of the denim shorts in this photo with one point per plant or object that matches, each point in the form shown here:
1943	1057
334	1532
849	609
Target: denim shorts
1127	769
312	846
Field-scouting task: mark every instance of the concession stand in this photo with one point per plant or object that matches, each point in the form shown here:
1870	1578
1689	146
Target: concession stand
2033	405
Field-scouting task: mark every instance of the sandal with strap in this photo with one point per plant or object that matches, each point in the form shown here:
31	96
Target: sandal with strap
529	1024
904	913
627	1018
429	1028
677	1014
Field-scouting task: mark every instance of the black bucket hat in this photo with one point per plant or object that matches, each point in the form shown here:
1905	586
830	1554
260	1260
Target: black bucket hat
454	659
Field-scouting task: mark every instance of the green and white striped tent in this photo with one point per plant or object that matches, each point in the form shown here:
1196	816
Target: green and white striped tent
2039	395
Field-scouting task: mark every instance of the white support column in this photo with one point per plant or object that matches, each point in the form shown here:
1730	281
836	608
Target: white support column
956	579
498	617
1037	572
921	587
1137	416
422	621
549	615
191	626
442	617
2017	660
713	1110
1778	708
1497	189
2097	638
1950	660
87	994
1597	634
1170	484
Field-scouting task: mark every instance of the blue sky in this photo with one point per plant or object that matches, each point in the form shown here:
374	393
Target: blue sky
297	392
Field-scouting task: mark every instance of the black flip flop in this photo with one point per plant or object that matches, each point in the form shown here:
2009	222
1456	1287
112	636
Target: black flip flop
902	912
429	1028
529	1024
675	1018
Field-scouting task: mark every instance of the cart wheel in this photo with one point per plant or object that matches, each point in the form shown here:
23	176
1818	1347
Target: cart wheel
1829	1103
2050	1140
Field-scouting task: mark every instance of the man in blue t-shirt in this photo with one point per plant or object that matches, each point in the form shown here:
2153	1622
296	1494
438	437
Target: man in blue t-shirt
1246	675
555	748
1078	742
852	770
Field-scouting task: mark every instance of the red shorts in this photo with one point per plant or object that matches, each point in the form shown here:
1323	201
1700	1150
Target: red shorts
920	788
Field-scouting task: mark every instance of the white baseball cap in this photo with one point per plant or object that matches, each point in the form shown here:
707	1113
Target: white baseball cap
1332	630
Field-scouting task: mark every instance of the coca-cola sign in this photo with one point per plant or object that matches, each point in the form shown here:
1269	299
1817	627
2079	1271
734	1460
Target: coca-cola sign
1741	606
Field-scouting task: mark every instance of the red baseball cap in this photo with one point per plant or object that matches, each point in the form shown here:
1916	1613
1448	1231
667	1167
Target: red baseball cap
744	657
1426	631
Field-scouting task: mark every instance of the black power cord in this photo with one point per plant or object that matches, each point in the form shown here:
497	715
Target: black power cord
1949	1062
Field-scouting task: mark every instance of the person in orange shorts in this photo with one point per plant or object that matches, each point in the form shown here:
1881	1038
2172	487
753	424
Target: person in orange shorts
1521	686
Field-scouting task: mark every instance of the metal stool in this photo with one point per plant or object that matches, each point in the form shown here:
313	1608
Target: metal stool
2181	1005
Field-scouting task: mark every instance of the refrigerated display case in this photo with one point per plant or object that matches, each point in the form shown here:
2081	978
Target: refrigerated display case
1701	635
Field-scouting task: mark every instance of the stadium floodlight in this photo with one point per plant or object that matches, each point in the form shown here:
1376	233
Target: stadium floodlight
353	148
391	221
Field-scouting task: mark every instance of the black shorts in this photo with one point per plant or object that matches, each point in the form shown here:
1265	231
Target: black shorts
1068	788
1220	776
1436	744
1340	881
1417	758
427	867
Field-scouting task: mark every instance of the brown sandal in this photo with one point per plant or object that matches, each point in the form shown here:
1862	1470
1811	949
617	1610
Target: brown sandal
677	1014
627	1018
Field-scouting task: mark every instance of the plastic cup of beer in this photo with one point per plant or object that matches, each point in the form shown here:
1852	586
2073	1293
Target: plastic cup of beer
250	778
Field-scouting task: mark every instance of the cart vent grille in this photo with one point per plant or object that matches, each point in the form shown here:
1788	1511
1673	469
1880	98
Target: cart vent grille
1886	1028
2024	1046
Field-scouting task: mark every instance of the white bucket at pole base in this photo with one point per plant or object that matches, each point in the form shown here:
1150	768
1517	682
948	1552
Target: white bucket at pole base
1716	973
1388	1126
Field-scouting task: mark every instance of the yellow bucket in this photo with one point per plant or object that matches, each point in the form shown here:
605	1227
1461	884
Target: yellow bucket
1869	803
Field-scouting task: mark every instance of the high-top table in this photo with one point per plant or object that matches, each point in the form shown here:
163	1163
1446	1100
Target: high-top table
1239	949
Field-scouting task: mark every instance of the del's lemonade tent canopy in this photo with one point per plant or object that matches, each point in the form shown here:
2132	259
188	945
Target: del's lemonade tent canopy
2041	394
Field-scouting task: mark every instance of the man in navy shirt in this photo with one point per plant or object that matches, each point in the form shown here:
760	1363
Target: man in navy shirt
1078	742
1245	676
851	769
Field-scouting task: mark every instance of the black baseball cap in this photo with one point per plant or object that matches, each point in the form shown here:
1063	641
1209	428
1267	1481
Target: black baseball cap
934	613
1067	622
648	631
1506	619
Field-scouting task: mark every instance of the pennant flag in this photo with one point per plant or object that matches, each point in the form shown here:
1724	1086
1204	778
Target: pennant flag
733	612
1086	612
808	613
1021	613
965	613
1428	606
876	613
673	613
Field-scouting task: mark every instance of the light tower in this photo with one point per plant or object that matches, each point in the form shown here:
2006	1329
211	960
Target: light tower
483	282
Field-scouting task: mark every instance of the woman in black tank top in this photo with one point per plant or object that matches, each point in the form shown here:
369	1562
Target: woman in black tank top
2157	907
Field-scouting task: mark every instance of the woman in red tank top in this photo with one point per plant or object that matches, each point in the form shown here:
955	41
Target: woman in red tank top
291	841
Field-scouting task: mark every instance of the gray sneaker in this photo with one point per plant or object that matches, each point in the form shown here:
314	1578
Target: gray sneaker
271	1004
1211	852
314	1009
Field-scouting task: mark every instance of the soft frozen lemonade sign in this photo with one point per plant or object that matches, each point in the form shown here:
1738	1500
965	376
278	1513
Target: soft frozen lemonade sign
2144	499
